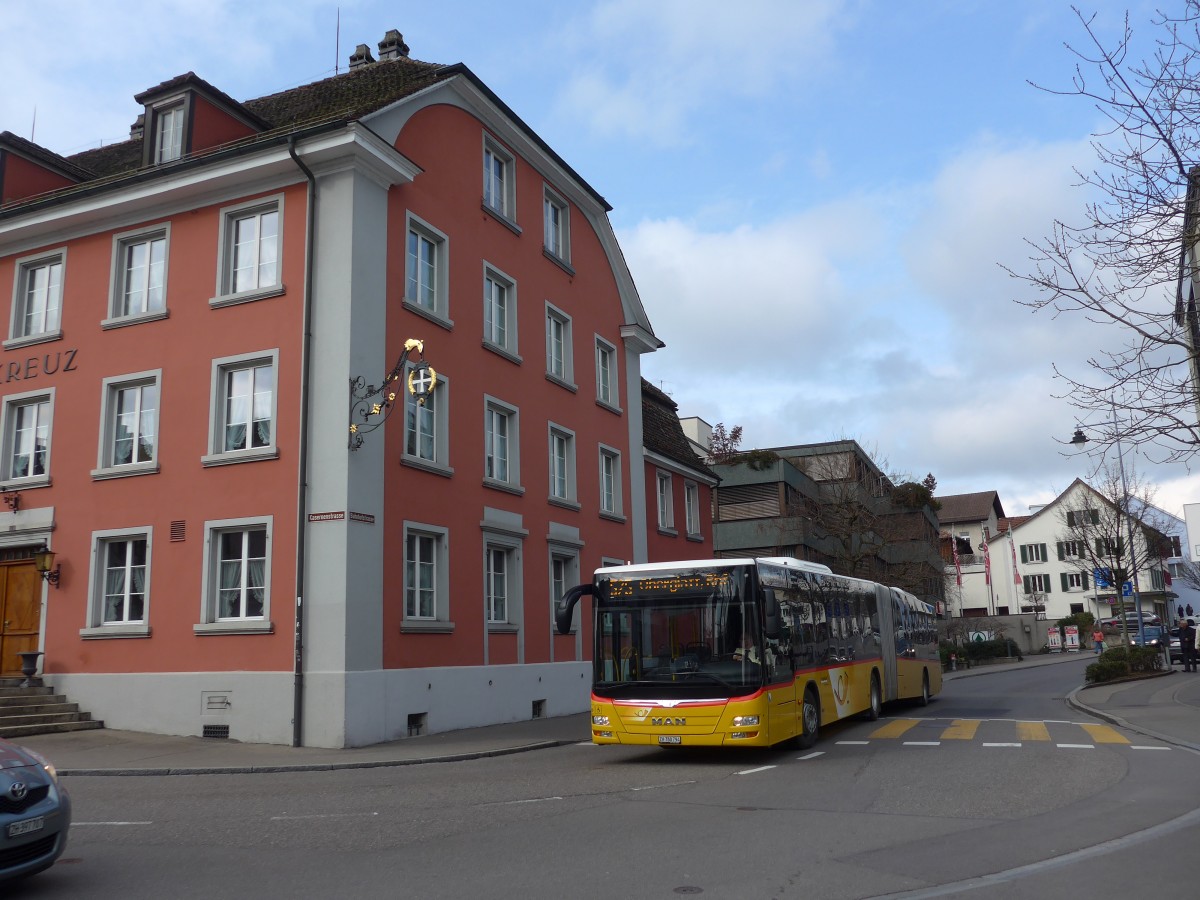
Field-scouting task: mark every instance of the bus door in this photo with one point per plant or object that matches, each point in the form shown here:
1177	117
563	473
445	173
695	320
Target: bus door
885	634
783	714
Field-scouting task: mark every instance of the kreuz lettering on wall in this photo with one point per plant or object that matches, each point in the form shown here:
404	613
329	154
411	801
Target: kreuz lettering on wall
31	367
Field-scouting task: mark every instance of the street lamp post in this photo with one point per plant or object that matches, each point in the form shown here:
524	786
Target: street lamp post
1079	438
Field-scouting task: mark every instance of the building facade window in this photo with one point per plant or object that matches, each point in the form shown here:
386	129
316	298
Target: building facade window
499	312
139	275
1074	581
426	578
1033	553
559	362
666	507
119	587
426	288
243	408
129	430
564	575
427	429
691	498
250	252
501	436
556	226
168	133
27	419
562	465
1070	550
37	296
1036	584
606	374
237	576
610	482
499	181
497	566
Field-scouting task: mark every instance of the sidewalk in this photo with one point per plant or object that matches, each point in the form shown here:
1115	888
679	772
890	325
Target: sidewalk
1165	707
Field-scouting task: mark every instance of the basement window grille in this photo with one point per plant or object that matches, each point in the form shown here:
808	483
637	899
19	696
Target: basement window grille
216	731
416	724
539	708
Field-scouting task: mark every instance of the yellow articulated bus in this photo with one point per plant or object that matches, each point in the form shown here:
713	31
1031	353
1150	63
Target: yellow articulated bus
748	652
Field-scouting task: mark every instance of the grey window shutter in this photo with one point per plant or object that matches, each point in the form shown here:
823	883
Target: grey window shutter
1045	555
1061	552
1084	579
1066	586
1025	581
1070	519
1024	556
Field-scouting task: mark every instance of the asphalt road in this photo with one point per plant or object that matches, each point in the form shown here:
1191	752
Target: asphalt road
996	789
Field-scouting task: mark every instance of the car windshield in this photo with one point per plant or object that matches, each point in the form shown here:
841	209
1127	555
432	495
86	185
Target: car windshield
1152	632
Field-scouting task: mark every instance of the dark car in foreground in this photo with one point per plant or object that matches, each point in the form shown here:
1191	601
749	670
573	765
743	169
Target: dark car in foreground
35	812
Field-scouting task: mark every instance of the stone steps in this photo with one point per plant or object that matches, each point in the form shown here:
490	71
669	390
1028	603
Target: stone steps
26	711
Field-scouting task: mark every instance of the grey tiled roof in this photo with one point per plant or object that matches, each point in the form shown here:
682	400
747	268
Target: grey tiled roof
969	507
662	433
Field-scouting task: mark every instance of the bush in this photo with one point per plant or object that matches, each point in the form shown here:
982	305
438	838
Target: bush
994	649
1122	662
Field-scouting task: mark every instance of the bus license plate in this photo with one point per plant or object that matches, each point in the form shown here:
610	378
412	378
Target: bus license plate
27	826
670	739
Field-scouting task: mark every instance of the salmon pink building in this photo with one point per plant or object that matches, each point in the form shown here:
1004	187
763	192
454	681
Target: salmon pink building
195	317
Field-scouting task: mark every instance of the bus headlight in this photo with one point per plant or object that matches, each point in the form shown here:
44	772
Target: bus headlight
739	721
599	720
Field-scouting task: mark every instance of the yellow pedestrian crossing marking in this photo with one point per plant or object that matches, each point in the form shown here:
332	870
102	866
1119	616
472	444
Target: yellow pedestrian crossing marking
1105	734
961	730
895	728
1032	731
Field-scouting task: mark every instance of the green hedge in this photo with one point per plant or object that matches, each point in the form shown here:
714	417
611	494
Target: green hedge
1123	662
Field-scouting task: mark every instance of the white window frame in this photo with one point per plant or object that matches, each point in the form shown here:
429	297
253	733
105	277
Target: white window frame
1074	581
209	622
122	244
556	241
98	585
607	382
512	480
1039	584
439	313
175	112
440	544
617	509
664	494
50	313
13	404
1033	553
436	414
106	466
222	369
229	217
560	371
564	575
563	485
506	343
691	505
499	199
511	547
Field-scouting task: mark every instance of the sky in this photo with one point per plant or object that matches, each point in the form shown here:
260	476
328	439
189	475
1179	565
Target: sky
816	198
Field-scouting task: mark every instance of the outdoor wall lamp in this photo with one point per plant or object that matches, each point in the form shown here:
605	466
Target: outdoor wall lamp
370	406
43	559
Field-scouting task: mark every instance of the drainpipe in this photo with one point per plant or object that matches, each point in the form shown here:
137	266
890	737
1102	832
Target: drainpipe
302	486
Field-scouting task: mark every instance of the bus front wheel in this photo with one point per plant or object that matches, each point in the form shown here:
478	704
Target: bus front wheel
810	719
924	701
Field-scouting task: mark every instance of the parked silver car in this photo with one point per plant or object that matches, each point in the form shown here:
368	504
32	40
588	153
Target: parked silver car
35	812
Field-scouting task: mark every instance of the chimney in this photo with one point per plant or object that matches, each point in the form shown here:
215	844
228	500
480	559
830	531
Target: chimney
138	129
392	46
361	57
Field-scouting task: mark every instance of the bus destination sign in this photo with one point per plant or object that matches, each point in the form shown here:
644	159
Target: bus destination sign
667	585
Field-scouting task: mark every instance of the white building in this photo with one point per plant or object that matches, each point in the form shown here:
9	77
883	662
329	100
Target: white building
970	519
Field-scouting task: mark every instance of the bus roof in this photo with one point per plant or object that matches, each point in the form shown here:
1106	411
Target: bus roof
785	561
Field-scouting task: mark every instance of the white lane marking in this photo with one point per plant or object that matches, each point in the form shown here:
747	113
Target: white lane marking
655	787
85	824
855	743
815	754
529	800
753	771
922	743
1075	746
323	816
1009	744
1137	747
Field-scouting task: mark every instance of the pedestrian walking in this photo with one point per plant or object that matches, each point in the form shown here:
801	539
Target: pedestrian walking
1187	644
1098	640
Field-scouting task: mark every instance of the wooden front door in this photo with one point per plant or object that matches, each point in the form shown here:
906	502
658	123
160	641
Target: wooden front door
20	612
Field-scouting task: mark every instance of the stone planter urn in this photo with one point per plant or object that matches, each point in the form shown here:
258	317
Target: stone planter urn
29	664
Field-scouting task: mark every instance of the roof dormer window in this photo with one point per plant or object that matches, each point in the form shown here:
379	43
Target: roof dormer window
168	133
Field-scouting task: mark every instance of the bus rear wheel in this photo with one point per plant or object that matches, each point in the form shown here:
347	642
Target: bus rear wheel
924	701
873	711
810	720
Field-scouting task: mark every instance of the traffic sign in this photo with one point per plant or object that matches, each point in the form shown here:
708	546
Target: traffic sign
1127	589
1102	577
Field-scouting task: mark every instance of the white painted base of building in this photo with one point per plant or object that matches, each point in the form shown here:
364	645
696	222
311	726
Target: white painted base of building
341	709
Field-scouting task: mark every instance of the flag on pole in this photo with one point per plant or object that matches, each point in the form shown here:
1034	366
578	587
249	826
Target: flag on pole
957	564
1012	545
987	563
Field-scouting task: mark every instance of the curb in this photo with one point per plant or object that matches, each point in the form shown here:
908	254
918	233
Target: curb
1078	704
313	767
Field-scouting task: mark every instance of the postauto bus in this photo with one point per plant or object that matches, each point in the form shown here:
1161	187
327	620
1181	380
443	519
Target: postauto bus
748	652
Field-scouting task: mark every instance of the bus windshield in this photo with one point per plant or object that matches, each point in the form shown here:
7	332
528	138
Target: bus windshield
686	633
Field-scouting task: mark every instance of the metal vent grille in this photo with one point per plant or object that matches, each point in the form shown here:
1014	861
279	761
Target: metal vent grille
215	731
179	531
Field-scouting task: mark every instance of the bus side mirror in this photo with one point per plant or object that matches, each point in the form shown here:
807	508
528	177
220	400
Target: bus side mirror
565	606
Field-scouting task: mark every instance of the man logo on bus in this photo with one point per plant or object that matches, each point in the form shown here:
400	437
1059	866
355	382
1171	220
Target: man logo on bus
667	720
